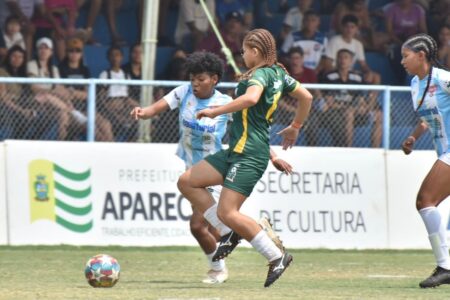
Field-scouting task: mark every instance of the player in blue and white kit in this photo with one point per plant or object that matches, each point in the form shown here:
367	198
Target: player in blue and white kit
430	89
199	138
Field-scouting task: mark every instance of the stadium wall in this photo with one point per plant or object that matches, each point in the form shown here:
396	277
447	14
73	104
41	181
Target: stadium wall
125	194
3	214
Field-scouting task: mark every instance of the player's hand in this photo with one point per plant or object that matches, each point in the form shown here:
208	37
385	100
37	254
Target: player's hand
408	144
289	135
138	113
208	112
282	165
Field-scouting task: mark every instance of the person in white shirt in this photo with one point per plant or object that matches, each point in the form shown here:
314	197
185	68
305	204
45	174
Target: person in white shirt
294	18
12	34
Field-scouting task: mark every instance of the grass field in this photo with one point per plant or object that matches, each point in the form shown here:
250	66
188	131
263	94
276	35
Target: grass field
176	272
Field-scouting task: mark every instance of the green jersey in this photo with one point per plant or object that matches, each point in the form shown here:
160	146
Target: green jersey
249	132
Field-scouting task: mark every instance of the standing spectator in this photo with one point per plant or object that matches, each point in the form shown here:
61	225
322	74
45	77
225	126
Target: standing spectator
244	7
57	20
345	109
347	40
115	99
24	10
310	39
12	33
192	24
133	69
232	33
294	18
72	67
444	45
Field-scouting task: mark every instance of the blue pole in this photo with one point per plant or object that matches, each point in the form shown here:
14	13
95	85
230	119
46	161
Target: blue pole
386	117
91	111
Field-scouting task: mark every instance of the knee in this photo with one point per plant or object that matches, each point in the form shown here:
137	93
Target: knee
198	228
183	182
224	216
423	200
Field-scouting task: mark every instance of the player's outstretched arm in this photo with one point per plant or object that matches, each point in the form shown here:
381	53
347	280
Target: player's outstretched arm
150	111
408	143
290	133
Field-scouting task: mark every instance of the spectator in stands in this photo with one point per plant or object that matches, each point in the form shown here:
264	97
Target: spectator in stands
3	49
232	33
133	69
444	45
347	40
57	20
438	15
311	40
192	25
53	99
176	70
72	67
19	113
344	109
115	99
24	10
294	18
12	33
243	7
110	7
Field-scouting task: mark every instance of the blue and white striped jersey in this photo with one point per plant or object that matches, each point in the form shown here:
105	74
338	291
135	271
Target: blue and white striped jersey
198	138
435	110
313	48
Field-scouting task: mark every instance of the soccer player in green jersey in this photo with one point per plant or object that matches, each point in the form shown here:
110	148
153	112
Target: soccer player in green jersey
241	166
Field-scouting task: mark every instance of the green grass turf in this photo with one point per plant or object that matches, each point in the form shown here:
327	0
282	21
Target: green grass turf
40	272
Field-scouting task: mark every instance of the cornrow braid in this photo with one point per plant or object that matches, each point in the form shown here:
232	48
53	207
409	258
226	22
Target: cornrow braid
264	41
424	42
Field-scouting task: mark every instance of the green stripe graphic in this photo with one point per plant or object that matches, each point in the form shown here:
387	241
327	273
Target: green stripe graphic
72	175
74	227
72	193
79	211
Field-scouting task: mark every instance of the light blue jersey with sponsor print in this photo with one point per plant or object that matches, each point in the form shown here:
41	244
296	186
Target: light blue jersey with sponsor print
435	109
198	138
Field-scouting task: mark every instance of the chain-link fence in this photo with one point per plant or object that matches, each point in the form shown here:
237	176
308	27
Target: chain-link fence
341	116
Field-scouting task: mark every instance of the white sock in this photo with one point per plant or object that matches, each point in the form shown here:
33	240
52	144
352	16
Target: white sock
215	265
264	245
437	235
212	218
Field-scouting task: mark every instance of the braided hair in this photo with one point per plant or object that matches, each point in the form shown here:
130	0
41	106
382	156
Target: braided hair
265	43
424	42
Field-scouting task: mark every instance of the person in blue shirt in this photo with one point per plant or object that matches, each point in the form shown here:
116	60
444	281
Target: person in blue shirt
430	90
199	138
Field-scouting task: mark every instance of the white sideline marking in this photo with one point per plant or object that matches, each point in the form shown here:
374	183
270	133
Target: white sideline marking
388	276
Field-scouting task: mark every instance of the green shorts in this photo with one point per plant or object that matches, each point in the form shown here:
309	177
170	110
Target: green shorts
240	173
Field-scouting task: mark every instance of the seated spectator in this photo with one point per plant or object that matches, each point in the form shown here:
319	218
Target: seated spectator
133	69
18	113
310	39
294	18
176	70
438	15
243	7
57	20
72	67
114	100
347	40
52	99
24	10
444	45
192	25
12	33
3	49
232	33
345	109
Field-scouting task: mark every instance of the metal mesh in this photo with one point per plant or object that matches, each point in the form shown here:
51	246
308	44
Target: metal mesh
339	118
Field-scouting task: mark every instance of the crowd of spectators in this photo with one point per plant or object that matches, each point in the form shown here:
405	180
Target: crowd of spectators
322	41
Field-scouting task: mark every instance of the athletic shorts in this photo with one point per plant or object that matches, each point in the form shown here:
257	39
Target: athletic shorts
445	157
240	172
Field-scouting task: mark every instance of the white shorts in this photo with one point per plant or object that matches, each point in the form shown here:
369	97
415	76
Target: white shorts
215	192
445	157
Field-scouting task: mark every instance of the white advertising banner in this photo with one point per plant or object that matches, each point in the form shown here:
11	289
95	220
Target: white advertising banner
335	198
3	207
96	194
405	174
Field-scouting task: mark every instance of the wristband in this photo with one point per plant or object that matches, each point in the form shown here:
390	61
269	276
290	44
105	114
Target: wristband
296	125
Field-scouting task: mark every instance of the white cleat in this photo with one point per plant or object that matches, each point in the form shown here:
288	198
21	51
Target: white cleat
216	277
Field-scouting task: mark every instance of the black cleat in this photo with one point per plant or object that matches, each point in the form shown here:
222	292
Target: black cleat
277	267
438	277
227	244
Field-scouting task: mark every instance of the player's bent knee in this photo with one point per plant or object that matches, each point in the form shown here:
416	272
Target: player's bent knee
424	200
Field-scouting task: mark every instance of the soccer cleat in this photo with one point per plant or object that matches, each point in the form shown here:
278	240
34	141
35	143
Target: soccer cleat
277	267
267	227
215	277
227	244
438	277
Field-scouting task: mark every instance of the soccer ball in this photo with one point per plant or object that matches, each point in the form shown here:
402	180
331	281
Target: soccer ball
102	270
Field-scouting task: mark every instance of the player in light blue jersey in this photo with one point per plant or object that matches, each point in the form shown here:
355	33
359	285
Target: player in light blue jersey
430	89
199	138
